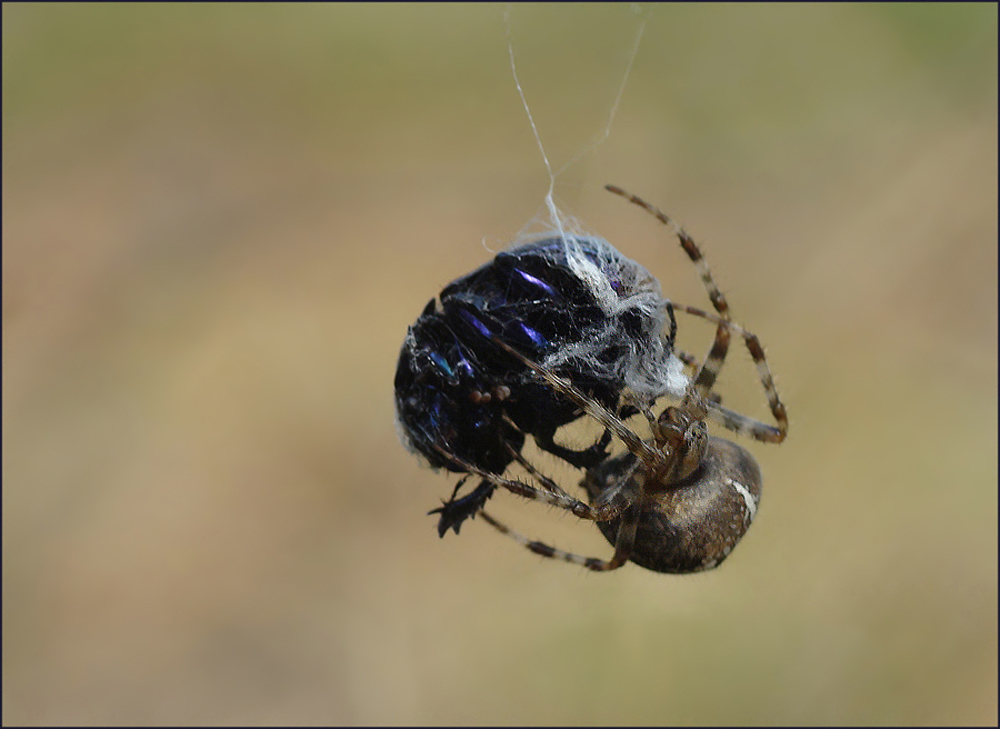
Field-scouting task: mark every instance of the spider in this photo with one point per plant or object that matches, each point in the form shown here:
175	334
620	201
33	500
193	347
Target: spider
679	501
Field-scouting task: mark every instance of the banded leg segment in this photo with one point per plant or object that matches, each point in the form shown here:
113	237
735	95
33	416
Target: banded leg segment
606	510
709	372
623	545
624	540
687	243
734	421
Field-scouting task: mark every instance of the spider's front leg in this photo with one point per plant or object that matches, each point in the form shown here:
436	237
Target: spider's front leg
732	420
709	371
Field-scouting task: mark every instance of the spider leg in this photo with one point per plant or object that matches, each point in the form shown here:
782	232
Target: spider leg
705	378
585	458
732	420
709	371
623	543
590	406
607	510
528	466
627	526
687	358
456	510
608	496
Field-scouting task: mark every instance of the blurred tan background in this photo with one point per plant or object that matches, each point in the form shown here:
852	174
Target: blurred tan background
218	222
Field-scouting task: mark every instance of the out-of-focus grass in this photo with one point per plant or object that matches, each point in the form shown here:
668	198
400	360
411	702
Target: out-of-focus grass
218	222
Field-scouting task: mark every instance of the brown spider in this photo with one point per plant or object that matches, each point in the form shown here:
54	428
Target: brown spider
679	501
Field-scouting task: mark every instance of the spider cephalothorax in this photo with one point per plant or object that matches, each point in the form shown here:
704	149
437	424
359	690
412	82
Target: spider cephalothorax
677	501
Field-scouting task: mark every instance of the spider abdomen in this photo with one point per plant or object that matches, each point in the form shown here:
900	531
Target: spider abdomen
691	525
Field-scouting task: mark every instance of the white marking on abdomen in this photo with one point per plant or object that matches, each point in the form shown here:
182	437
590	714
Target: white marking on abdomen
748	498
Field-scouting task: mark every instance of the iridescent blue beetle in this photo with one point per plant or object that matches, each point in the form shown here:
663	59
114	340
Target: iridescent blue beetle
572	304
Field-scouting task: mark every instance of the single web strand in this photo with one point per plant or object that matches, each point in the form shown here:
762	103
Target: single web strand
555	216
549	199
603	136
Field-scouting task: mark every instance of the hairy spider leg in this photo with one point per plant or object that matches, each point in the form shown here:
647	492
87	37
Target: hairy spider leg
710	369
741	424
623	543
605	510
528	466
713	362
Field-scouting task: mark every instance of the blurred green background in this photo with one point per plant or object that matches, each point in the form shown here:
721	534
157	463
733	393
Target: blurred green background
218	221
